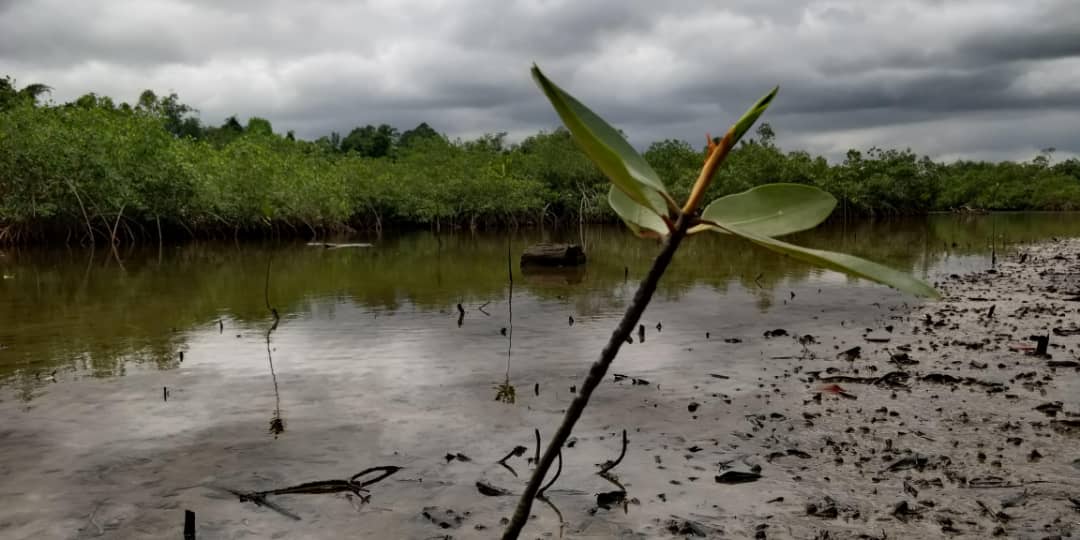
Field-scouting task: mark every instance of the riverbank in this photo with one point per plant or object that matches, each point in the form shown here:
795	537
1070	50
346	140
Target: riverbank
896	448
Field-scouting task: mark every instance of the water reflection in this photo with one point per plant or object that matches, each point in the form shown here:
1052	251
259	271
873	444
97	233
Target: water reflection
77	314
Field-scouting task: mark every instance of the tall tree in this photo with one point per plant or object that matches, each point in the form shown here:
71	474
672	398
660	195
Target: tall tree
418	133
10	96
371	141
259	126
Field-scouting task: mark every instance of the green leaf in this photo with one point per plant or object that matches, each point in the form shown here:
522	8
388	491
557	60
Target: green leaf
771	209
606	147
840	262
747	121
641	220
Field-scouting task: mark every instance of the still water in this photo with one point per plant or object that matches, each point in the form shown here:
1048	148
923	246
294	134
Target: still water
133	388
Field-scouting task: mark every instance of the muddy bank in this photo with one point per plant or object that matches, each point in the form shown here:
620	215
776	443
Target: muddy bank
942	423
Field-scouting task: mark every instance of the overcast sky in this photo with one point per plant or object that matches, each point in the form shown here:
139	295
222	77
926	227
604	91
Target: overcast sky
983	79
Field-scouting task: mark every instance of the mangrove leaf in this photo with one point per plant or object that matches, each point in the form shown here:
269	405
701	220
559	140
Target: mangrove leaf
770	210
606	147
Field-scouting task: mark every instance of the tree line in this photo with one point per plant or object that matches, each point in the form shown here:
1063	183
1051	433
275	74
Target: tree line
92	170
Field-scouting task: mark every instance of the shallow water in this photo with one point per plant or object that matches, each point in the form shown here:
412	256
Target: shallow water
369	366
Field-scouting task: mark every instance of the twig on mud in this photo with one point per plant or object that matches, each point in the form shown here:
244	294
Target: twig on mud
351	485
562	521
613	479
518	451
260	500
100	529
558	471
511	469
607	466
989	513
537	458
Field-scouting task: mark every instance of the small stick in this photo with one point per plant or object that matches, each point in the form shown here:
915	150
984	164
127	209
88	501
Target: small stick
517	451
612	464
260	500
386	471
537	458
562	521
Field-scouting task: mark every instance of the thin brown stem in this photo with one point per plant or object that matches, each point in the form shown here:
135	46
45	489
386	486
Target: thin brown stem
89	227
712	162
509	308
596	374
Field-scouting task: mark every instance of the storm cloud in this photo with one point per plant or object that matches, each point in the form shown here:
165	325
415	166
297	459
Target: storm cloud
983	79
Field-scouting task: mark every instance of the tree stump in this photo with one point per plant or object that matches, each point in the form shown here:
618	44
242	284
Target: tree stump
553	255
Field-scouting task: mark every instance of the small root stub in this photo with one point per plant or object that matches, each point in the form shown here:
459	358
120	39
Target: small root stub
189	525
607	466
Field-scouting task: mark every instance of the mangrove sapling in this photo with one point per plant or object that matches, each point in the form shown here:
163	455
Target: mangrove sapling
641	200
277	423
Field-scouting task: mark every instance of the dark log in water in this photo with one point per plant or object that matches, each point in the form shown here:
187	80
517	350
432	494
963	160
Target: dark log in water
553	255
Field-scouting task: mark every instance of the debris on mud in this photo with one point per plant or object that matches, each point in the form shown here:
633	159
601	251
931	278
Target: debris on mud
737	477
491	491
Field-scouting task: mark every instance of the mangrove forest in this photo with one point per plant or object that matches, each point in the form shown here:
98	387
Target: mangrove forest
92	170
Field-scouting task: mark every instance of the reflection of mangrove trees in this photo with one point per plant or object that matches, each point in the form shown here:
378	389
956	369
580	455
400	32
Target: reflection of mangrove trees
68	309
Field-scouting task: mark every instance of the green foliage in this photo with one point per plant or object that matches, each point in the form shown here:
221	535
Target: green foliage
420	132
643	221
771	209
259	127
82	167
10	96
841	262
370	141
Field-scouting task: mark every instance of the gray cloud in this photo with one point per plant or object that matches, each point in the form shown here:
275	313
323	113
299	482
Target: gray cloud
958	78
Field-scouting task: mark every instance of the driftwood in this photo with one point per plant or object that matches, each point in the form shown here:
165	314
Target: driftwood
355	484
553	255
332	245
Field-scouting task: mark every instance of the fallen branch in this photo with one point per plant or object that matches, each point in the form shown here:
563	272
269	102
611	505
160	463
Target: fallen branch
352	485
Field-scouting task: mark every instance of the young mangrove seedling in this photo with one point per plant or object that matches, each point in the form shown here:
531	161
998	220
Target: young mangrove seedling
758	215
